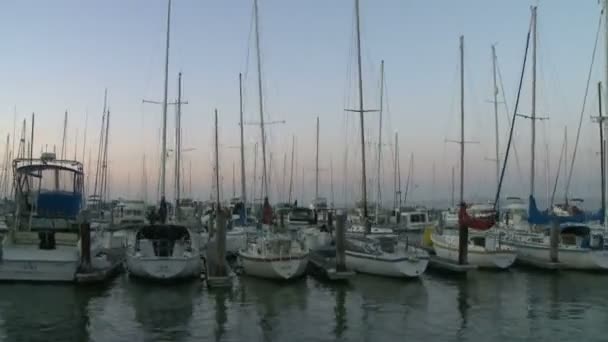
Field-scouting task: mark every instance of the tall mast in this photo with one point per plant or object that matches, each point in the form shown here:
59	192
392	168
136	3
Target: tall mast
178	144
463	231
602	153
533	113
65	127
396	173
293	142
331	180
104	174
361	119
461	119
261	102
317	164
100	146
255	171
84	143
284	175
32	139
163	158
233	181
243	183
217	165
452	198
379	193
496	137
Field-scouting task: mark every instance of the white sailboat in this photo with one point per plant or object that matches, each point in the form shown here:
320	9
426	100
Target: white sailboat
483	249
578	246
365	254
164	251
272	255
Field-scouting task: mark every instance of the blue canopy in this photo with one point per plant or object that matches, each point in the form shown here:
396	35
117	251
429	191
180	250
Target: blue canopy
535	216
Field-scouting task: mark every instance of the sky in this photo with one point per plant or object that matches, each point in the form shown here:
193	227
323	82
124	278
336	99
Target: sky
61	55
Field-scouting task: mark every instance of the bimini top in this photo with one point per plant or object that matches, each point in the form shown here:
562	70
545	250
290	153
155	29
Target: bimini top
46	162
163	232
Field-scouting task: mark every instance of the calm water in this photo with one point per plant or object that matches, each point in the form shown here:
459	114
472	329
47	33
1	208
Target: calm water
511	306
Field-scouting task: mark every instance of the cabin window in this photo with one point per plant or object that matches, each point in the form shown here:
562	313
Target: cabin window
417	218
479	241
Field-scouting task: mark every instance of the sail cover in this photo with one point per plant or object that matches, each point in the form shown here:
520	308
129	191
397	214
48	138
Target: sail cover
538	217
464	220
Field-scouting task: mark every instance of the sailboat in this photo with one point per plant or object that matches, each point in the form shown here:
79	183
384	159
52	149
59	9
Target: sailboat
575	245
383	256
272	255
483	248
164	251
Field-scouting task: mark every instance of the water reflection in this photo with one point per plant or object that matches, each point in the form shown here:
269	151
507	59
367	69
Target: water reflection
274	301
340	311
164	312
221	317
37	311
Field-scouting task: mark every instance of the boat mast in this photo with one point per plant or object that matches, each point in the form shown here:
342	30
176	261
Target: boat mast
605	161
533	113
243	183
261	102
496	137
163	158
178	144
396	158
317	164
293	142
463	235
331	180
453	188
217	166
379	192
361	119
65	127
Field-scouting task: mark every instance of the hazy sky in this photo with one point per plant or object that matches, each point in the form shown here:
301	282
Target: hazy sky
59	55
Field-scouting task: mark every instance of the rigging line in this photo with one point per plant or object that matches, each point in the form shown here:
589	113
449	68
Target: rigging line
504	97
559	166
521	80
580	122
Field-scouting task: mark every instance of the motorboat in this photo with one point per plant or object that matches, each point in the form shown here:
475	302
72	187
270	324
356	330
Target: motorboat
43	242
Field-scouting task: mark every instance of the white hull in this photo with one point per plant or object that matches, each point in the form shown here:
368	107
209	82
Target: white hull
167	268
480	257
574	258
388	267
38	270
274	268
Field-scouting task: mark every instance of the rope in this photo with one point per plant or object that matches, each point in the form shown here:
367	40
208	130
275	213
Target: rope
580	121
521	80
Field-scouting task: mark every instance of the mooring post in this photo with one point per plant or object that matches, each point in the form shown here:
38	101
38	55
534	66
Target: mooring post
282	219
554	240
85	245
463	241
221	244
330	222
340	242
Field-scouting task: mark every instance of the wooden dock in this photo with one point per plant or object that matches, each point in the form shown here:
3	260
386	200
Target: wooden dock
323	265
99	275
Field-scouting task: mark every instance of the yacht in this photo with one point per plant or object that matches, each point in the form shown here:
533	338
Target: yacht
385	256
579	247
43	242
274	256
164	252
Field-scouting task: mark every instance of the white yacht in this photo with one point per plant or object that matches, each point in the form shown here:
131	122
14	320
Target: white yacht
484	249
130	213
43	242
274	256
164	252
385	256
578	248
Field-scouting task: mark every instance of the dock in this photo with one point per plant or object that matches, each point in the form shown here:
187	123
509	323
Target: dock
99	275
323	263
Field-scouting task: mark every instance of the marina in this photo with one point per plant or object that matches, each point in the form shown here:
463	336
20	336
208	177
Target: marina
194	217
